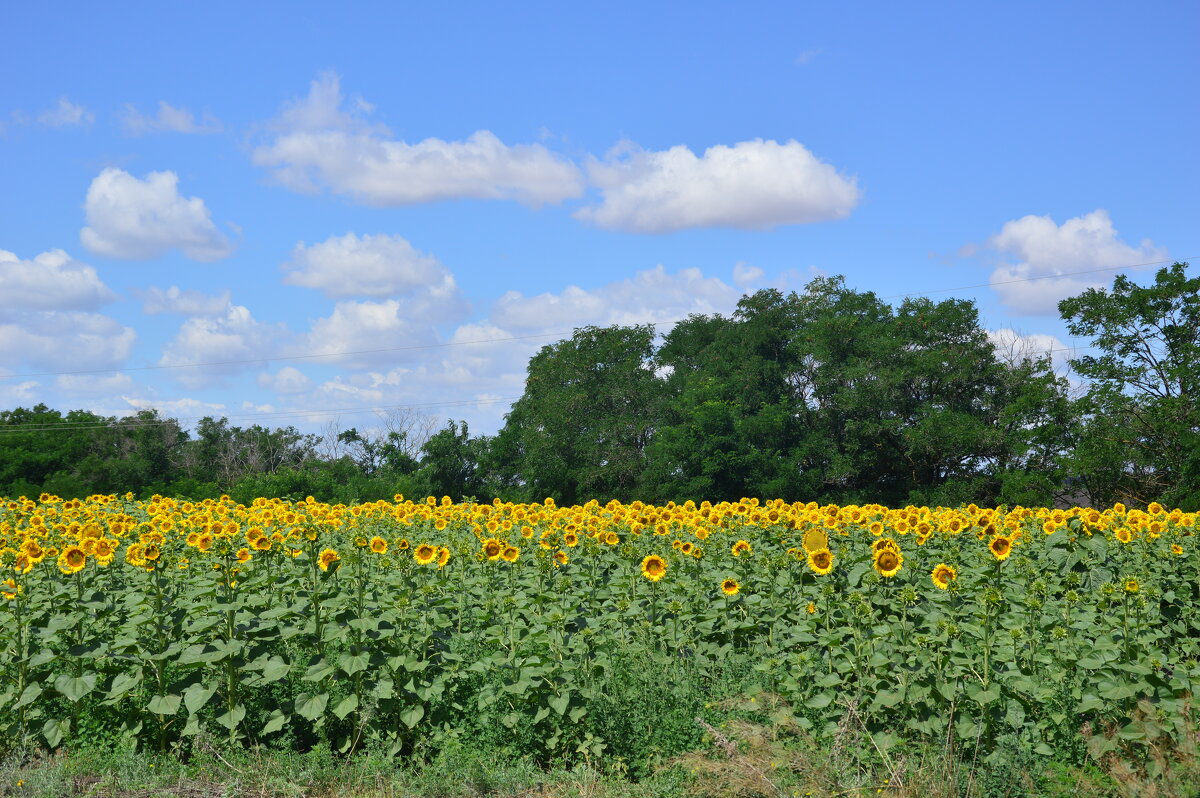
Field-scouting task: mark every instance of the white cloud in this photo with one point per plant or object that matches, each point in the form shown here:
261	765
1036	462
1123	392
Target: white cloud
140	219
168	119
650	295
368	327
50	281
66	114
753	185
321	144
745	275
156	300
376	266
184	409
807	56
93	384
1046	250
1013	347
287	380
225	340
64	340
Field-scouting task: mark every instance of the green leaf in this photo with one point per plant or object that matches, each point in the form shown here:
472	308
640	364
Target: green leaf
311	707
55	730
346	706
164	704
559	703
28	695
197	696
413	715
123	682
354	663
233	717
984	697
319	670
820	701
75	687
275	722
275	669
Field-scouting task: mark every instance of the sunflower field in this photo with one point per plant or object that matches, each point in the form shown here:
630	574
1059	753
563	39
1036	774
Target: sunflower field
570	632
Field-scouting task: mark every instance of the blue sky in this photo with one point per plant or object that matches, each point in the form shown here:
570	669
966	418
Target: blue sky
230	182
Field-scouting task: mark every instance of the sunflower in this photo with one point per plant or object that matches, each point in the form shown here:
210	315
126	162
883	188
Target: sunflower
510	554
9	589
730	587
1124	534
943	575
1000	547
686	547
327	558
1131	586
492	548
443	556
23	564
379	545
262	544
611	538
424	554
571	539
1176	548
654	567
811	609
884	543
402	544
820	561
72	560
741	547
561	558
815	539
243	555
888	562
133	555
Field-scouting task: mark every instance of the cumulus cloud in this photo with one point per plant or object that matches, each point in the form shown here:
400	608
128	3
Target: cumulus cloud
175	300
140	219
168	119
93	384
368	327
753	185
375	266
1013	347
225	340
64	340
50	281
180	409
1050	252
66	114
287	380
745	275
650	295
321	143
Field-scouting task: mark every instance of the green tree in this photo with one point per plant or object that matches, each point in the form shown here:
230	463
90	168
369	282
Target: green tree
590	407
1140	441
451	463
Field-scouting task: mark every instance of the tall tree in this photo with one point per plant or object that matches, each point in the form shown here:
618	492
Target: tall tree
1141	439
589	409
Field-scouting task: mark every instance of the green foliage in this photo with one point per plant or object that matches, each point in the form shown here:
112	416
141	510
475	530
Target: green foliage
1140	438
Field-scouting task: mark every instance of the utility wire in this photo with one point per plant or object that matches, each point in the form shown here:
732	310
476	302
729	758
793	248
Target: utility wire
84	425
558	334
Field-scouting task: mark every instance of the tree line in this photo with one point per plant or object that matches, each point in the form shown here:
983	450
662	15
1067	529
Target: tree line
826	394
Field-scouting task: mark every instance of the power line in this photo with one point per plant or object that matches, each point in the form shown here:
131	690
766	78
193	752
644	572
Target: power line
509	339
1040	277
86	425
